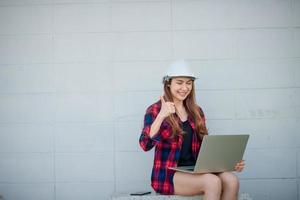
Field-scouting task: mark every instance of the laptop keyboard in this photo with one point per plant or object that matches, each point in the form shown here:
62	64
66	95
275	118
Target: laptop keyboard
188	168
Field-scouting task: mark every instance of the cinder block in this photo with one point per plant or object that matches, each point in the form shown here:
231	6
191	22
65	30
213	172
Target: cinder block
128	134
267	103
84	137
295	102
298	180
30	191
23	138
296	12
80	1
127	76
131	46
25	49
239	74
296	73
195	14
206	44
27	108
215	74
83	77
267	189
296	42
84	167
270	164
264	133
35	78
24	2
88	191
273	43
27	19
298	163
136	16
82	17
133	105
217	104
133	166
133	186
84	107
33	167
263	73
70	47
275	13
130	1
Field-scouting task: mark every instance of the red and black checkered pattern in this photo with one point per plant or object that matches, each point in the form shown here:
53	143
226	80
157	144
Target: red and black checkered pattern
167	149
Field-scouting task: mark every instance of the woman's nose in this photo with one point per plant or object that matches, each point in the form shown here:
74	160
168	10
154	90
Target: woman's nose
185	87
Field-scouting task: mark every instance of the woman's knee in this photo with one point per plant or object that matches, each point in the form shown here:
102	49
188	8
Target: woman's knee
229	180
212	183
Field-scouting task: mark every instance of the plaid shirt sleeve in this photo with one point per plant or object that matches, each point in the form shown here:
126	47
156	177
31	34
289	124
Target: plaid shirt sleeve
146	142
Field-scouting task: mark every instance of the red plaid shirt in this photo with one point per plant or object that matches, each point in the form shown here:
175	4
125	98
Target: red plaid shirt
167	149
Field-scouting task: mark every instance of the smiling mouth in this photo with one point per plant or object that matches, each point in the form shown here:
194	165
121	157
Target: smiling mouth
182	94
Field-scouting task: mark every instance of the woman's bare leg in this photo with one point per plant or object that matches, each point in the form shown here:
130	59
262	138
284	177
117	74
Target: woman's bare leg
230	186
194	184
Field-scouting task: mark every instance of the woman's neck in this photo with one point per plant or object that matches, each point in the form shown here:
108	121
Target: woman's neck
180	110
178	104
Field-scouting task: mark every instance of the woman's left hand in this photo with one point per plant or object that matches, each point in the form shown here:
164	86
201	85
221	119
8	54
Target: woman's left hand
240	166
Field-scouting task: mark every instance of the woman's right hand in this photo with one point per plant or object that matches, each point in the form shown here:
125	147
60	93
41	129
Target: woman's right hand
167	108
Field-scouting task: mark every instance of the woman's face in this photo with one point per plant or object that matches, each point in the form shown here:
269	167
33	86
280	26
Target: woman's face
181	87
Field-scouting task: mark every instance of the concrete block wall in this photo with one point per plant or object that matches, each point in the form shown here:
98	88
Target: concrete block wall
77	75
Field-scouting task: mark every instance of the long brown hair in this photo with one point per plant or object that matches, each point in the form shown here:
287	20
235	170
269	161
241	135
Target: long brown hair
192	109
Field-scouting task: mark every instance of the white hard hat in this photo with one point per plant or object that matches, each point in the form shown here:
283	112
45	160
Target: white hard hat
178	68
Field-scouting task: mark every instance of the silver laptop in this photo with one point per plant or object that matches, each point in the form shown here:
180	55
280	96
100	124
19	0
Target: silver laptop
218	153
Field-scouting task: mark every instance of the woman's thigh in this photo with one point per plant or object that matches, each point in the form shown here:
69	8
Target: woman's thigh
194	184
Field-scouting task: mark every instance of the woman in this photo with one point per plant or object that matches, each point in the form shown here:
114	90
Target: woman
175	126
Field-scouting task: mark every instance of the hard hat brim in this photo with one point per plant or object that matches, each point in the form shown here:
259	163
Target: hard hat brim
168	78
